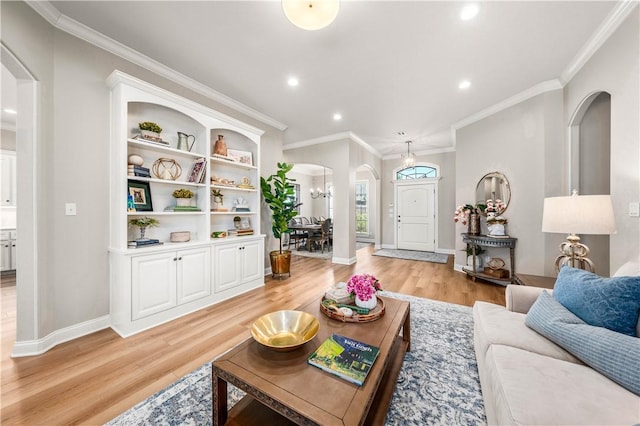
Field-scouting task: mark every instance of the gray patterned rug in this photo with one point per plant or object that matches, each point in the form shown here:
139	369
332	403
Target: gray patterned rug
424	256
438	382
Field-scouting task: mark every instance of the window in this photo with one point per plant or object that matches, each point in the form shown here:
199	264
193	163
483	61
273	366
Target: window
362	207
296	197
417	172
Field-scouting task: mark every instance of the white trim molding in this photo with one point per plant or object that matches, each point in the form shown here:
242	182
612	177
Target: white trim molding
604	31
333	138
40	346
344	260
81	31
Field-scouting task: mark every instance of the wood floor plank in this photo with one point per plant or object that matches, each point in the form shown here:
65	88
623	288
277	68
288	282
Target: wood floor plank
92	379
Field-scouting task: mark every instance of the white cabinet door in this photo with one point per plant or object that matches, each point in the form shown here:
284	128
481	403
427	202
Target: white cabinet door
5	255
252	255
194	274
226	266
153	284
8	176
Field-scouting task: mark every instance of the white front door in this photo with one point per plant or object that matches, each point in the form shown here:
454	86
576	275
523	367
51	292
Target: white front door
415	219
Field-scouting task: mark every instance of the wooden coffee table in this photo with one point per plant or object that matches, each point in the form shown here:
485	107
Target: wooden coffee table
282	388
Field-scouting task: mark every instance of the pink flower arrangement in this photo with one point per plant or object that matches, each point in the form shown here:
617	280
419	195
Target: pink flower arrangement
364	286
495	207
462	212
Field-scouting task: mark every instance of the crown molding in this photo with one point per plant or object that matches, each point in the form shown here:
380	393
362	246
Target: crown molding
611	23
536	90
83	32
333	138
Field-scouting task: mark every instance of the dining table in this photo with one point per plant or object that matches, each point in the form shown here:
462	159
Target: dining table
310	228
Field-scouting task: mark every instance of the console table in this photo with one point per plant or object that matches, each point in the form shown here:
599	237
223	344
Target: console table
489	241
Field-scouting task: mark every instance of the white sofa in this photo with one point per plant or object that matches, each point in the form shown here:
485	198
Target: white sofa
528	380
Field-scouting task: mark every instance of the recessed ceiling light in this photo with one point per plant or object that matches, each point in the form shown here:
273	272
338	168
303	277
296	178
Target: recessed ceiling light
10	111
337	116
469	11
293	82
464	84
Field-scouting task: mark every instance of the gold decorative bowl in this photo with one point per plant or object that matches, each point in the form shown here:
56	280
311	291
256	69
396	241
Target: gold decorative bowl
285	331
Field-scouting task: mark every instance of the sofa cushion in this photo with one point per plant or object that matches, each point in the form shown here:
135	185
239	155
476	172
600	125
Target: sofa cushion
613	303
530	389
493	324
615	355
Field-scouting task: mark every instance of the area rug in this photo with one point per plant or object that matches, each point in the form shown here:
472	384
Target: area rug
438	383
424	256
314	254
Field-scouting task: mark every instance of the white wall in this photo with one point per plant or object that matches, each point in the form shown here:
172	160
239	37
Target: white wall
614	69
516	142
73	152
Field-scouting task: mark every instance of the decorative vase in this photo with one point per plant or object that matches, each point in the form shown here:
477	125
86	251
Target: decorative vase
220	147
183	202
474	224
368	304
143	229
478	262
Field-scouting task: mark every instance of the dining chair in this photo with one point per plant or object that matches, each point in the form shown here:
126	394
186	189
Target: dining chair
321	236
305	221
296	235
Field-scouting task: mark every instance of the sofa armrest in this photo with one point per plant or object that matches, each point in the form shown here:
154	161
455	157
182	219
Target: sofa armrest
520	298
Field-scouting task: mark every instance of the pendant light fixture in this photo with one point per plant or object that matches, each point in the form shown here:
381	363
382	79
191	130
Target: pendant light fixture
311	15
409	160
318	193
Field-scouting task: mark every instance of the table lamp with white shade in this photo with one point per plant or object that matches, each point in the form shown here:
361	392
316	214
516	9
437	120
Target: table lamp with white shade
577	214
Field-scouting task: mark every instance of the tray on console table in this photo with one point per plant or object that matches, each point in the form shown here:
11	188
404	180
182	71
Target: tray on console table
489	241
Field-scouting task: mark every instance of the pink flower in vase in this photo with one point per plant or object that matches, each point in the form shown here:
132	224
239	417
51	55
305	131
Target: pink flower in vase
364	286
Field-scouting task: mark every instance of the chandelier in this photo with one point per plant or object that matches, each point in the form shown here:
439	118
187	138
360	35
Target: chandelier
409	159
318	193
311	15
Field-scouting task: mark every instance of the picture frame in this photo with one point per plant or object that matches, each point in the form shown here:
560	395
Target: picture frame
197	172
245	223
141	194
243	157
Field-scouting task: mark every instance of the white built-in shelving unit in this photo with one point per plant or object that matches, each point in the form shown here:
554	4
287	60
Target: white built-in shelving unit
155	284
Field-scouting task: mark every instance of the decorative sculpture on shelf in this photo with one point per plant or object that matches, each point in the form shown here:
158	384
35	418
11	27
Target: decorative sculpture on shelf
166	168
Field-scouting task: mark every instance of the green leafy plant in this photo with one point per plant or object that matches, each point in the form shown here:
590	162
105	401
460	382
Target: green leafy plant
182	193
150	126
469	250
144	222
278	193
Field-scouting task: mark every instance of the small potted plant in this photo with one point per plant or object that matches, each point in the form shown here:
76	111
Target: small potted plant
363	289
478	251
183	197
143	223
150	130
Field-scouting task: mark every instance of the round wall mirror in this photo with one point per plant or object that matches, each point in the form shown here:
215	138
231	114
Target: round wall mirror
494	186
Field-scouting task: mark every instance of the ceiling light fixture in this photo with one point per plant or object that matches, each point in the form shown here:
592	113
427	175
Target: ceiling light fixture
311	15
469	11
464	84
318	193
337	116
409	160
10	111
293	82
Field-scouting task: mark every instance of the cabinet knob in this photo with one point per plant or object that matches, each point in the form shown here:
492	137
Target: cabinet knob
180	258
175	258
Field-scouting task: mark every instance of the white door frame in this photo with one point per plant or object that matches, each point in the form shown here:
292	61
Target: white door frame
415	182
27	164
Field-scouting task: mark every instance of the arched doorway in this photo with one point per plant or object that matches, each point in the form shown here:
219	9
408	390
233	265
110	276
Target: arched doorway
590	163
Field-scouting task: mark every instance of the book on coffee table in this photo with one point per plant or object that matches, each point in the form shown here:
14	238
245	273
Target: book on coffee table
344	357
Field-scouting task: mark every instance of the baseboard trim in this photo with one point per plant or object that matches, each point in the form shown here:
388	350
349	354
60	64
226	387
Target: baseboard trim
40	346
446	251
458	267
344	260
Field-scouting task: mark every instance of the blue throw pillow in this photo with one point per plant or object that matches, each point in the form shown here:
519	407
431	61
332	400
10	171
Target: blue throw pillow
611	354
613	303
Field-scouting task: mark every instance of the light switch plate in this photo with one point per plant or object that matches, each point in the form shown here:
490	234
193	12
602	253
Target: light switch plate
70	209
634	209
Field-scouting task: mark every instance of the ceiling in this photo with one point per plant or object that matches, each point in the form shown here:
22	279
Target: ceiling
385	66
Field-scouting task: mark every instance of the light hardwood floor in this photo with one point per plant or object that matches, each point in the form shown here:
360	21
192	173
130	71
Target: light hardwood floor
92	379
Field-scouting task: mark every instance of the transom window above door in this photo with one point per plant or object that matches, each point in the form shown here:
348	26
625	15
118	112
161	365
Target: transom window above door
417	172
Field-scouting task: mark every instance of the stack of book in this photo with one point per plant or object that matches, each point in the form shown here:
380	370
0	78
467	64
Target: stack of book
241	232
182	209
138	171
147	242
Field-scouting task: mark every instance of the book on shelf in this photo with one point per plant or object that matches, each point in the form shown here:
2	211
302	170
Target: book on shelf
138	174
245	232
222	157
182	209
138	168
144	243
346	358
153	141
